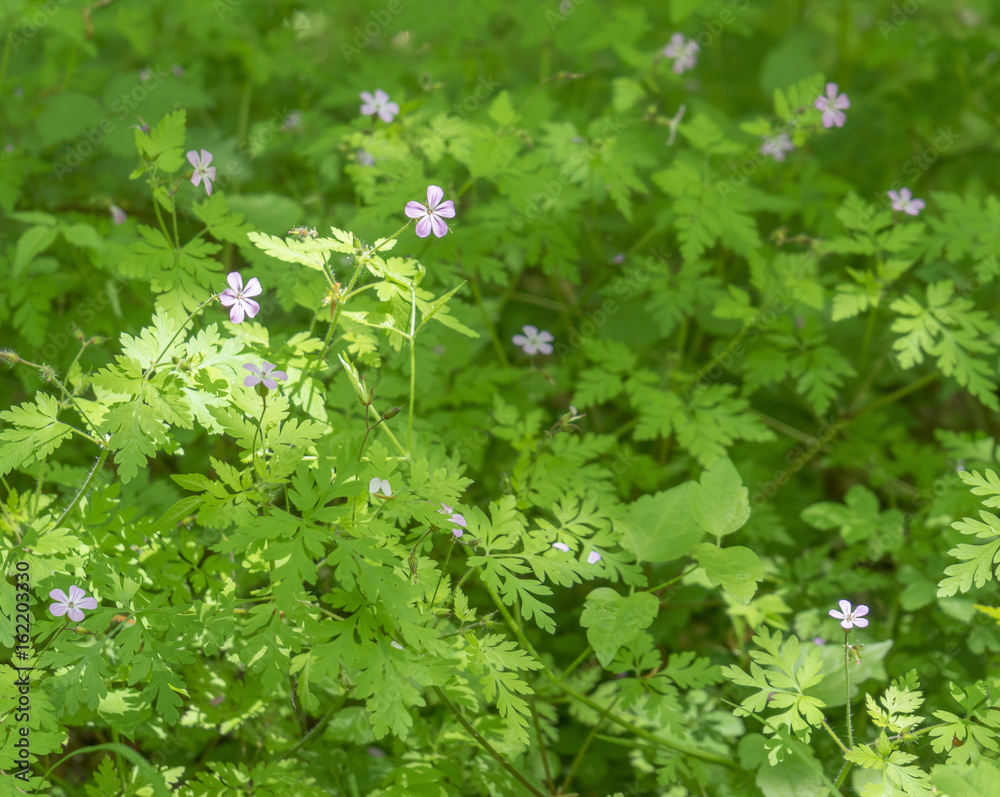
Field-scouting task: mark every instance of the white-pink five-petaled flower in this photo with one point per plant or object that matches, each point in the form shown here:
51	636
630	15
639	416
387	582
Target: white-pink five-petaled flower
683	51
235	297
378	104
456	518
71	605
202	171
777	146
534	341
431	215
905	202
267	375
849	618
833	106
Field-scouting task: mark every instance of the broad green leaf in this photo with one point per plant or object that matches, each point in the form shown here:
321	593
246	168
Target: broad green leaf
612	620
660	527
737	570
720	503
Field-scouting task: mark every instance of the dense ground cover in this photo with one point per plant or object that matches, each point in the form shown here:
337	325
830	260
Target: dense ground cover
587	398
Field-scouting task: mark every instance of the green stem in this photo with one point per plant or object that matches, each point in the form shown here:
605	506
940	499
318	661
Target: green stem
836	738
486	745
6	58
847	705
413	366
671	744
170	342
86	485
497	343
583	748
898	394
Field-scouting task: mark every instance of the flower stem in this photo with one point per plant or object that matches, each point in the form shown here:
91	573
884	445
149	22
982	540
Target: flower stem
486	745
847	705
170	342
86	485
413	365
836	738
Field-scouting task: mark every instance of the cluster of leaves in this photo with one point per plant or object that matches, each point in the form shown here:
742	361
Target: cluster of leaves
768	392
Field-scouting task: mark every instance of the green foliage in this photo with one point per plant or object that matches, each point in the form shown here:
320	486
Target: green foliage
431	561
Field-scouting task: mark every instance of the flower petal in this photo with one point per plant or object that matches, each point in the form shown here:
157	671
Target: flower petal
252	368
75	593
58	609
75	615
861	611
87	603
227	298
251	307
280	375
845	607
424	227
236	313
446	209
374	484
235	280
251	381
381	97
414	210
860	622
439	226
59	595
206	158
253	287
434	195
192	157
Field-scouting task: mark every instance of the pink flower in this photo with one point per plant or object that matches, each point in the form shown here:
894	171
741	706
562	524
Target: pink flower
431	214
533	341
777	146
118	215
73	605
683	51
457	519
235	297
593	558
202	171
378	104
832	106
905	202
850	618
264	376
